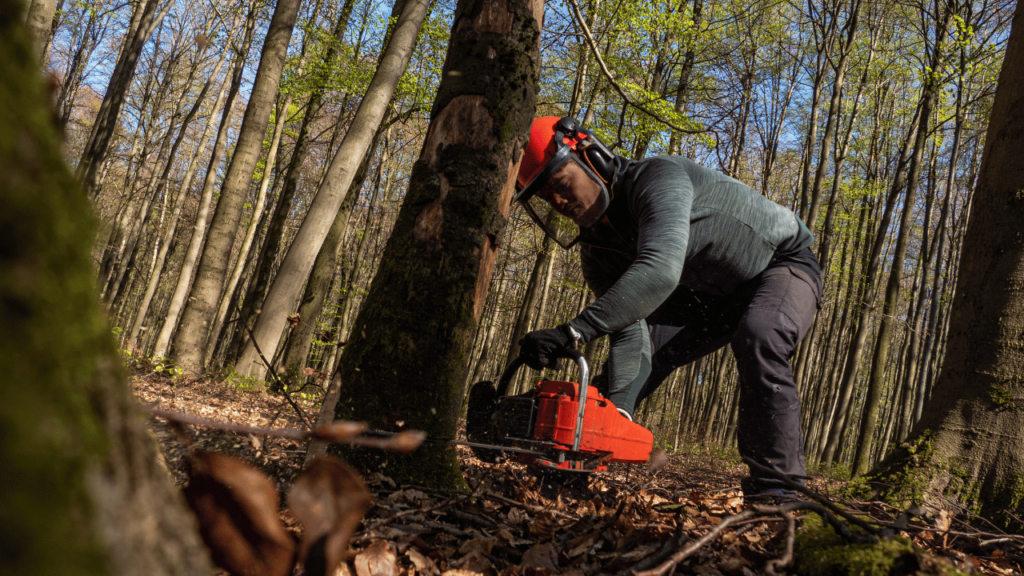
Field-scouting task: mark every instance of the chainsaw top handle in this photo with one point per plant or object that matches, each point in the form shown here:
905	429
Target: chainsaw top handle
519	361
513	367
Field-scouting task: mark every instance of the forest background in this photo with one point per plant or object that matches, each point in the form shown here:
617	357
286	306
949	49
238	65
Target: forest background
203	134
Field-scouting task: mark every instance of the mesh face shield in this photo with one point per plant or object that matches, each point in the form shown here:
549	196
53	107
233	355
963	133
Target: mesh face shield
561	228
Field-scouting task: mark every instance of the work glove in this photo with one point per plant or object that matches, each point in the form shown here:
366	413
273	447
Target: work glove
543	348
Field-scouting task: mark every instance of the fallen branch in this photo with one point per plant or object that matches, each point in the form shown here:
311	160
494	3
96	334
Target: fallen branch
338	432
817	497
280	387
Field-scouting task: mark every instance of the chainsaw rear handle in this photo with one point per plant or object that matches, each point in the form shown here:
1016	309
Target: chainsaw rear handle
513	367
519	361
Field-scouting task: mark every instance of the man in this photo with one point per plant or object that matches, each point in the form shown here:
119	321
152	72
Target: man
683	260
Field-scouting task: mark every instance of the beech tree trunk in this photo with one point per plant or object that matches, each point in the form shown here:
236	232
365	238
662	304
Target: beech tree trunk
260	280
286	289
84	493
404	364
192	338
967	445
181	288
144	20
885	329
38	20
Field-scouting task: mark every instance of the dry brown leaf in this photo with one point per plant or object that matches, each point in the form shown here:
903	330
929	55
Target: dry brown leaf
477	545
405	442
237	509
338	431
517	516
541	557
476	562
580	545
423	564
543	526
377	560
329	499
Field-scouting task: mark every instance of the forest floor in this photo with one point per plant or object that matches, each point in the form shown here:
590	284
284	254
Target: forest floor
688	514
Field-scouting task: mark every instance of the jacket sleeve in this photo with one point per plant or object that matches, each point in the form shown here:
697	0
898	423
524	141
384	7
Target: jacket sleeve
659	198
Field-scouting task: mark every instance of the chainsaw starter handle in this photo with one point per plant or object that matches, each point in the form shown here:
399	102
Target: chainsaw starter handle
513	367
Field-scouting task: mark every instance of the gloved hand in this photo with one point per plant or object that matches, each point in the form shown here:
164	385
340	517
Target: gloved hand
543	348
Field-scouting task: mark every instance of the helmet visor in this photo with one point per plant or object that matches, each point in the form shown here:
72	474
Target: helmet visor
558	227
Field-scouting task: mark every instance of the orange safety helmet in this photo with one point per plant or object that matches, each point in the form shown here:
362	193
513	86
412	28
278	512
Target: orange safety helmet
552	143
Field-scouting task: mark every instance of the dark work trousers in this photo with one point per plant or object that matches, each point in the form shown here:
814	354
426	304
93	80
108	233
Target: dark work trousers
764	322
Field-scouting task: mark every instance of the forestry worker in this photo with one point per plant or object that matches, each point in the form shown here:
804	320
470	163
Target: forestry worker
683	260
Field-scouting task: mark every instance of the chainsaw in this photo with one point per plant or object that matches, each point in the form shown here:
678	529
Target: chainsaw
562	425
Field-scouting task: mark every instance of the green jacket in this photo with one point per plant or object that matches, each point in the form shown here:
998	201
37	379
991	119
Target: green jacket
673	223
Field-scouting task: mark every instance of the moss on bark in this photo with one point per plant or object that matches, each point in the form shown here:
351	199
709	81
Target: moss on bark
82	491
404	364
819	551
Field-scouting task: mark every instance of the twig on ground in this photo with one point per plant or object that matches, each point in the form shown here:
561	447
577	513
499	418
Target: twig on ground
669	565
666	550
787	558
280	387
819	498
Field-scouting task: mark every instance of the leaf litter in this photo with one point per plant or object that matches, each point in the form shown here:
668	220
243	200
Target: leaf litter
684	511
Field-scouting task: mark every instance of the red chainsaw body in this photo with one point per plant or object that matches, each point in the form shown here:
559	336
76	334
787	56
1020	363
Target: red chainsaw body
604	431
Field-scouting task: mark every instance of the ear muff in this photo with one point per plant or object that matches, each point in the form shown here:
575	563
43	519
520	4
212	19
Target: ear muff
590	150
600	160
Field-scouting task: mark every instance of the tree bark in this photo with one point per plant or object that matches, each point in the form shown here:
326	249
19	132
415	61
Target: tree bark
885	328
85	494
967	445
95	153
181	288
192	338
411	340
38	20
286	289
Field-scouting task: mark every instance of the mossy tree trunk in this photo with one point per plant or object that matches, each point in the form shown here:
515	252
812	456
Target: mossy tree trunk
84	493
967	446
404	363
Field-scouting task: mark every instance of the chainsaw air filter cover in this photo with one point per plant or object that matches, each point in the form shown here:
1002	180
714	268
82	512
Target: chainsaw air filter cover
514	417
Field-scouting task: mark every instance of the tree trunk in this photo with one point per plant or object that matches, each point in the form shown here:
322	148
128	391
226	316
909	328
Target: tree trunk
259	280
967	445
874	259
228	294
39	20
811	218
411	339
181	288
532	296
192	338
295	353
85	494
883	340
286	289
94	155
179	202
